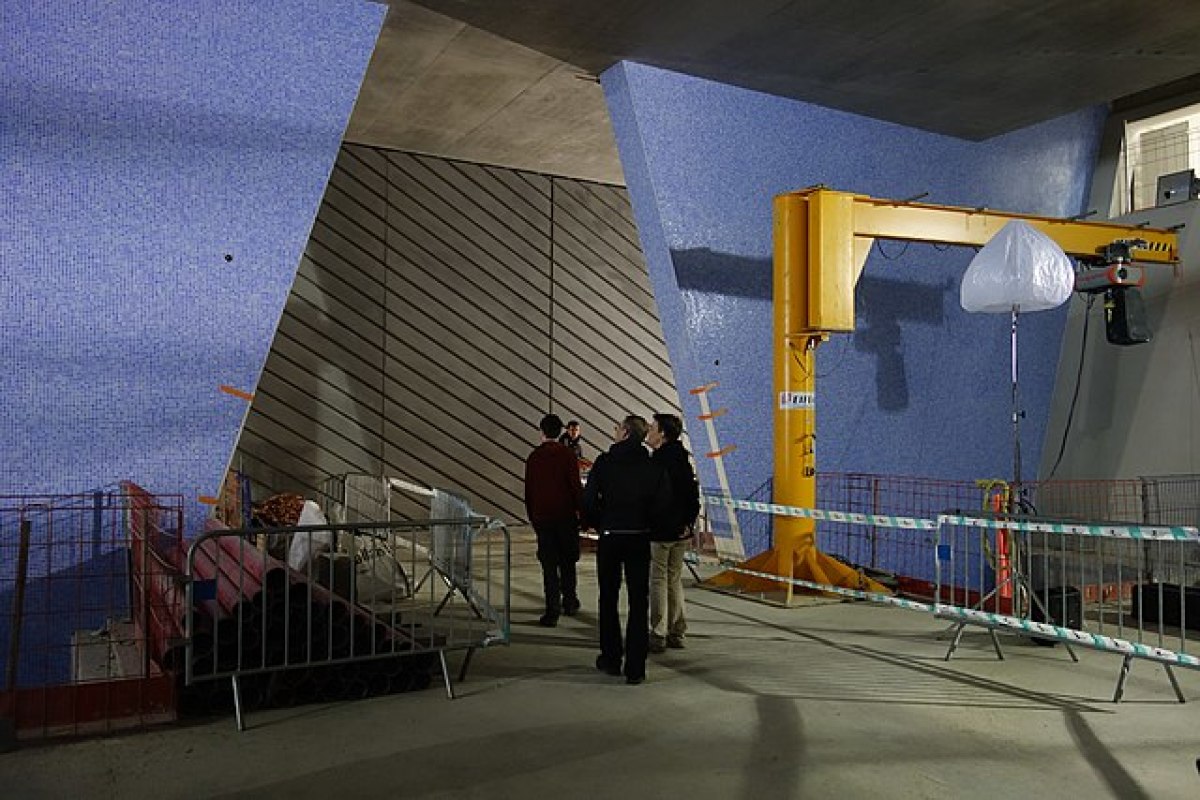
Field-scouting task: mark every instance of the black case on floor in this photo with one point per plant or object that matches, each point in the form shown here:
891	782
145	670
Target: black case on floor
1160	602
1054	598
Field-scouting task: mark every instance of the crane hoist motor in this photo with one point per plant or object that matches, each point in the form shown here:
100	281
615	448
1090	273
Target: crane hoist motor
1113	274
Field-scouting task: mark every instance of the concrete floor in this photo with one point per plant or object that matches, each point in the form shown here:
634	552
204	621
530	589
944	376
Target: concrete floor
833	700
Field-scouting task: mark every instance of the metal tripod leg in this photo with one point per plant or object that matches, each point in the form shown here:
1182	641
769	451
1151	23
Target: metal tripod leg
1120	692
237	704
1045	613
959	627
958	632
1019	580
1174	683
1127	664
462	673
996	643
445	600
446	674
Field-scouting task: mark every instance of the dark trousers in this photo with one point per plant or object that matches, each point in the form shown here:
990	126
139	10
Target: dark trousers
557	552
629	554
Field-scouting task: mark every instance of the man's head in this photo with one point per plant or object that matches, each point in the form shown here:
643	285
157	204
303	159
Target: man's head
551	426
632	427
573	429
664	428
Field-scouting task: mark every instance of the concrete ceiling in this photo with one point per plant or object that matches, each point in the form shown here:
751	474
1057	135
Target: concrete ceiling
511	82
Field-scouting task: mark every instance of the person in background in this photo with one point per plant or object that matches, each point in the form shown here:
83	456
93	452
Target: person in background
552	503
626	497
573	439
669	542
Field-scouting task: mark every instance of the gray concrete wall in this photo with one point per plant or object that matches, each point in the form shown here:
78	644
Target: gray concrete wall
440	309
1138	408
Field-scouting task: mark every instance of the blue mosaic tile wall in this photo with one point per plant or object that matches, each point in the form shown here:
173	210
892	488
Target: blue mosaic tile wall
921	388
163	164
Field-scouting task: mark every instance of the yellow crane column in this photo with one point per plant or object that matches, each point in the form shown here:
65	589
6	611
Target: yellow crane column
814	280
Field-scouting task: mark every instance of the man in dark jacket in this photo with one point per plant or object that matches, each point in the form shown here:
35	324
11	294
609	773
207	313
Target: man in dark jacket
552	503
626	497
669	542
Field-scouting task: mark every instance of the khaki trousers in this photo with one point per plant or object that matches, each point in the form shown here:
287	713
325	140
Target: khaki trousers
666	590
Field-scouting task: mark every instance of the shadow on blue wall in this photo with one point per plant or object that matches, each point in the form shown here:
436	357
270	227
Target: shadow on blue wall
704	270
883	307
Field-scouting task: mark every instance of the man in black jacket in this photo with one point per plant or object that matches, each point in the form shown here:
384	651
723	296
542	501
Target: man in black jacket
626	497
669	542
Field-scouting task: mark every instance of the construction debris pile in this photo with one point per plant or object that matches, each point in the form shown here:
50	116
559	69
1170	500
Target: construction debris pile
288	639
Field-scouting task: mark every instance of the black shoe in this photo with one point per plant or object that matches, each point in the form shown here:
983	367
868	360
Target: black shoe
570	607
548	620
634	680
675	642
657	646
608	667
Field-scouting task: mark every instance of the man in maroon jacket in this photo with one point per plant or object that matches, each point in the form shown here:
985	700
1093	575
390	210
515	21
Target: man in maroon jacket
552	503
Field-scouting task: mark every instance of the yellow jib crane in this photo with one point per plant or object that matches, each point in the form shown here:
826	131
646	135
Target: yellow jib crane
822	239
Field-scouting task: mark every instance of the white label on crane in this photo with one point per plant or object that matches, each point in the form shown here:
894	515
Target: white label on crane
792	400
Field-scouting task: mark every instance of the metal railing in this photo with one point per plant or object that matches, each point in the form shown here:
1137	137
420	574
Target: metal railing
1152	159
1121	588
365	608
1133	590
80	628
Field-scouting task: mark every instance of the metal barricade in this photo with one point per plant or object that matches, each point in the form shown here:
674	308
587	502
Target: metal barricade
1116	587
901	553
82	630
1127	589
341	618
360	497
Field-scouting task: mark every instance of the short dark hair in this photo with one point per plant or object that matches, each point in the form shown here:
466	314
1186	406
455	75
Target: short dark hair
670	426
636	427
551	426
573	423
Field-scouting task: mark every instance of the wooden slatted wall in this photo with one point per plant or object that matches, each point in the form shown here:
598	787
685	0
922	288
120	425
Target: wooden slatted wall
440	309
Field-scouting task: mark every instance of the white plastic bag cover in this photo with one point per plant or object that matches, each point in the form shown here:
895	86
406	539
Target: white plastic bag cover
1020	266
306	545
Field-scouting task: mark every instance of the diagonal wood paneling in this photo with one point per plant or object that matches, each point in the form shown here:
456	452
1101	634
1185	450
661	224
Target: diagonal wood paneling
440	309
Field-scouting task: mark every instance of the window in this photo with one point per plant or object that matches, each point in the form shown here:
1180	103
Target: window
1167	144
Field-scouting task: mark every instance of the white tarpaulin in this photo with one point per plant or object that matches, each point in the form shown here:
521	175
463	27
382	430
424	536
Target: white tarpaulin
305	546
1020	266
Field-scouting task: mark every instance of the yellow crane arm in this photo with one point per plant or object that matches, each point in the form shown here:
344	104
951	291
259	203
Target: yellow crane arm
822	239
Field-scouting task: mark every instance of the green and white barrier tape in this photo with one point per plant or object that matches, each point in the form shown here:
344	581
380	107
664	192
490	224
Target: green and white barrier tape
882	520
1175	533
1149	532
1069	635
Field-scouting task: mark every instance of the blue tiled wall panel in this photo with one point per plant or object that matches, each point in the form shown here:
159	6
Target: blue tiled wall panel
142	143
921	387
